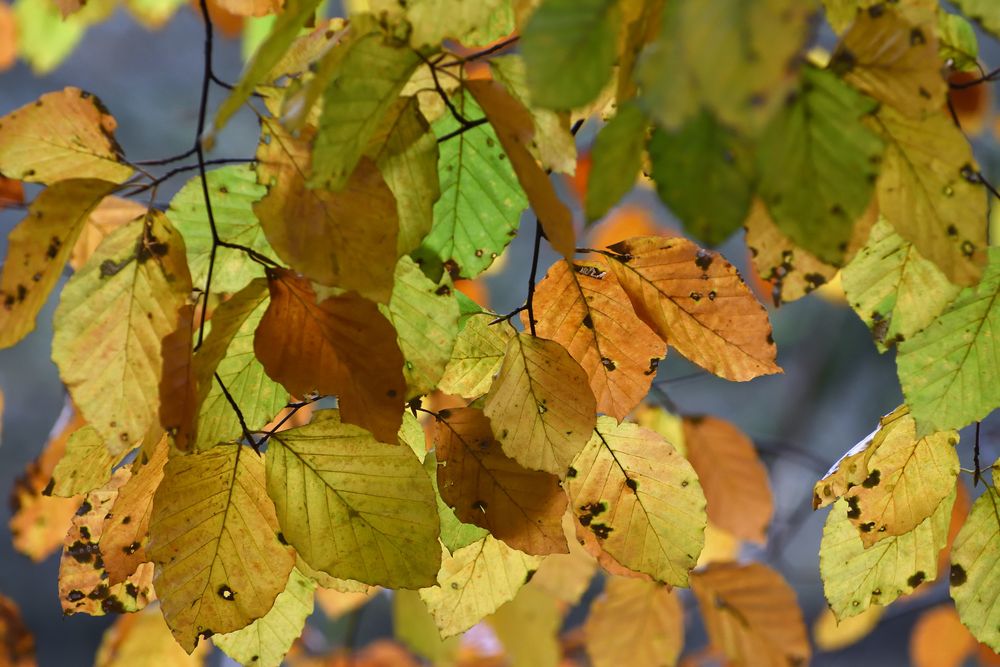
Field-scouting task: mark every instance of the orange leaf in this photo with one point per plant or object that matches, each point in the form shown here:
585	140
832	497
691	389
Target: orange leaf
971	104
515	129
487	488
11	191
179	402
731	475
112	213
582	307
624	222
697	302
8	37
939	639
17	644
342	346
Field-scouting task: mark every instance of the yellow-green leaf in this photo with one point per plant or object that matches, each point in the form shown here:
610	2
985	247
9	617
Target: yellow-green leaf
983	12
414	626
110	324
475	360
541	406
85	466
528	627
641	500
641	619
975	569
354	507
433	21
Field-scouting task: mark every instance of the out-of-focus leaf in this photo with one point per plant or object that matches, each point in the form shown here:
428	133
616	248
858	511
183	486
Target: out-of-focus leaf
641	619
144	640
433	21
528	627
414	626
975	570
17	641
566	577
939	639
112	213
957	42
833	635
616	160
983	12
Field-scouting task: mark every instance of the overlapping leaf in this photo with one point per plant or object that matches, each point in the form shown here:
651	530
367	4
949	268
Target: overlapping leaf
616	160
641	619
84	466
975	569
475	360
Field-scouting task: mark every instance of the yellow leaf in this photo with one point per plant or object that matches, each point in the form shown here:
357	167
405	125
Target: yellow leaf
698	303
640	499
414	626
337	603
939	639
515	128
540	405
566	577
143	640
341	345
582	307
524	508
251	7
15	637
476	358
347	238
37	250
635	618
62	135
213	536
894	60
82	578
731	475
112	213
85	466
751	614
721	546
353	507
474	582
975	569
833	635
528	627
110	324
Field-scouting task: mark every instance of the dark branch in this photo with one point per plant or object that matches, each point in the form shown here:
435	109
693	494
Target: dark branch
530	305
462	130
976	477
485	53
239	414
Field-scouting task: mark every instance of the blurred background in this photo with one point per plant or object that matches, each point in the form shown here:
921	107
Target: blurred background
834	389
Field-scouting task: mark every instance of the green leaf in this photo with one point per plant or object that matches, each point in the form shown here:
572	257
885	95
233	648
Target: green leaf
233	191
45	38
704	173
818	164
957	42
353	507
228	351
434	21
37	250
425	315
474	582
481	200
265	642
414	626
975	574
85	466
616	159
569	48
894	290
372	73
854	578
948	370
984	12
476	358
110	324
406	152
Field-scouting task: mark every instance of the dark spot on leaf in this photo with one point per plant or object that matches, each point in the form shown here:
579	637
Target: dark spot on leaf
602	531
968	249
281	538
391	393
112	606
479	505
867	527
853	512
877	10
131	589
571	472
653	365
75	595
443	290
47	491
85	507
528	577
631	483
703	259
695	296
131	548
711	295
917	37
226	593
916	579
872	480
85	532
958	576
126	520
952	230
588	321
608	364
54	244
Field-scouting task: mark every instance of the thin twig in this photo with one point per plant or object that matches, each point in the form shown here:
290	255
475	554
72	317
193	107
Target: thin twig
530	304
239	414
975	459
508	316
463	129
499	46
294	407
442	93
168	160
993	75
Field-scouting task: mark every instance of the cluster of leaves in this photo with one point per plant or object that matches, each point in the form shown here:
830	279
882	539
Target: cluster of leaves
492	468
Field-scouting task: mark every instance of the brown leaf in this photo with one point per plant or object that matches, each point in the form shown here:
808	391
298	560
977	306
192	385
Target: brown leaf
515	128
11	191
17	644
540	405
522	507
697	302
125	529
40	521
751	614
639	619
582	307
83	586
731	475
345	238
342	346
179	402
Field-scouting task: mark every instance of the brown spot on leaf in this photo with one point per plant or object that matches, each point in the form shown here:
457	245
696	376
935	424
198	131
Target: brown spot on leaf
958	576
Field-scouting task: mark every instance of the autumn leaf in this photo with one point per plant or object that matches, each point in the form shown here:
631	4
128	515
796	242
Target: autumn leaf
354	507
342	345
616	160
220	562
641	619
127	299
85	465
640	499
547	431
939	639
833	635
37	250
113	212
476	358
522	507
143	640
697	302
974	570
455	534
567	576
582	307
62	135
751	614
15	637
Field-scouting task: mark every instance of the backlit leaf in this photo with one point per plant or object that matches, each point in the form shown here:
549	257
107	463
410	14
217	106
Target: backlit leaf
266	641
957	42
616	160
112	213
522	507
566	577
698	303
346	239
731	475
751	614
37	250
454	533
481	200
929	190
214	539
354	507
233	191
475	360
641	619
833	635
983	12
855	577
85	466
528	627
540	405
577	36
110	324
939	639
582	307
143	640
414	626
474	582
65	134
948	370
434	21
342	345
640	499
975	569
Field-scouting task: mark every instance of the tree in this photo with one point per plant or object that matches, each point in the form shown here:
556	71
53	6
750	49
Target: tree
481	469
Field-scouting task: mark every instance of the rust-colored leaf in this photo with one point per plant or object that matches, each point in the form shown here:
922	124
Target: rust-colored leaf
17	644
178	388
939	639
